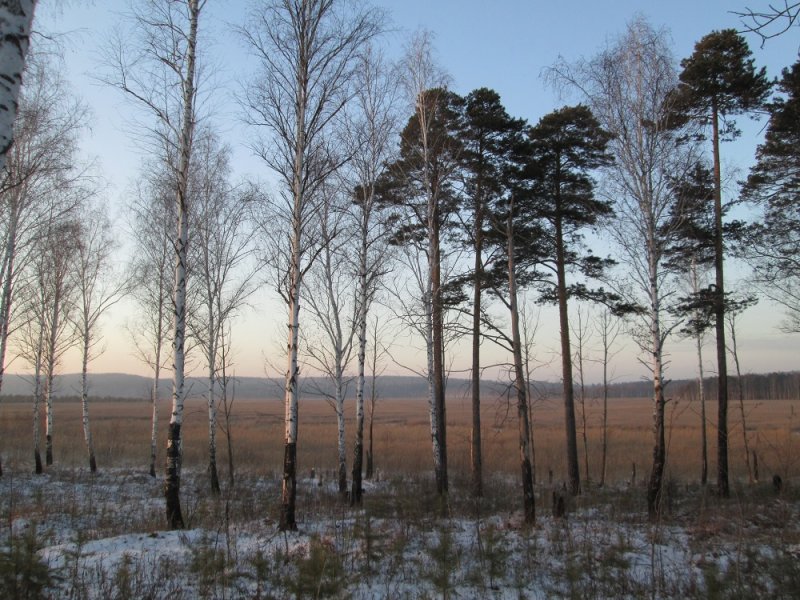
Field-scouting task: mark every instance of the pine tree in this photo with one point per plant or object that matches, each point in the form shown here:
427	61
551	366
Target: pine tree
718	81
773	245
566	146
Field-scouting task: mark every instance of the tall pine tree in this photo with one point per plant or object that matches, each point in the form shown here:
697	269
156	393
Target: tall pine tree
718	81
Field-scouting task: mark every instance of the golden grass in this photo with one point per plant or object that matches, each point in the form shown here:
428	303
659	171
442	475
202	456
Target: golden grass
402	437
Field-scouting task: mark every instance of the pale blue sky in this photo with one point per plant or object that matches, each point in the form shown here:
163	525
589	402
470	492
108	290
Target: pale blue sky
503	44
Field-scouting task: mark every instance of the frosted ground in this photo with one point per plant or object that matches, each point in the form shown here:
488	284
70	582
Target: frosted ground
67	534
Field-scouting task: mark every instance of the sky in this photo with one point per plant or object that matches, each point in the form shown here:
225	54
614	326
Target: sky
502	44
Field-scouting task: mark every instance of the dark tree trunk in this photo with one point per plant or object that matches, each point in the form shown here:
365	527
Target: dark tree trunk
37	459
528	499
289	489
172	483
48	453
655	483
358	466
719	313
92	462
573	470
476	455
438	355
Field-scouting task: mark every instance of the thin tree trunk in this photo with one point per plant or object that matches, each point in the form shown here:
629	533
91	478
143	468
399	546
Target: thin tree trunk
719	312
154	423
740	389
172	483
363	295
87	432
212	416
37	395
475	447
50	375
5	300
526	461
341	444
604	451
700	387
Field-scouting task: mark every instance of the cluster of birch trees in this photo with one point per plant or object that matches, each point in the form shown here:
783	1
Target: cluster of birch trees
381	167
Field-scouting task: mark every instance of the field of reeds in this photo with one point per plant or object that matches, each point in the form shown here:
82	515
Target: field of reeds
121	431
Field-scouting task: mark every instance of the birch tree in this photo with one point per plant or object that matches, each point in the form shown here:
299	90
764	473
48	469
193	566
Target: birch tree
332	303
629	88
369	131
97	289
40	167
16	24
152	213
157	69
223	281
306	52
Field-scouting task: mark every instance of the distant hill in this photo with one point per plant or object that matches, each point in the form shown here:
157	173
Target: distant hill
783	386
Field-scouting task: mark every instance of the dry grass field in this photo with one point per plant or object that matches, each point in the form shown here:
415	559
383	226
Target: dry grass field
402	436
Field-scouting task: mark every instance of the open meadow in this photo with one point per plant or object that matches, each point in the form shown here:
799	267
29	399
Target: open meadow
70	534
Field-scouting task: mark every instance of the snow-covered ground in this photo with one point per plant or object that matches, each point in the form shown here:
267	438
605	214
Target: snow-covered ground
102	536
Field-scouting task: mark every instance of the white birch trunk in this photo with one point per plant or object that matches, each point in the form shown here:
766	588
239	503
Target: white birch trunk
87	433
174	449
16	20
212	405
37	396
154	418
50	375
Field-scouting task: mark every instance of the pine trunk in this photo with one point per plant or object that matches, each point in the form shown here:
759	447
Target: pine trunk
719	312
526	462
437	323
573	471
475	447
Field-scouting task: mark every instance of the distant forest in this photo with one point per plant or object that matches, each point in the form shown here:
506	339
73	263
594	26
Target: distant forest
757	386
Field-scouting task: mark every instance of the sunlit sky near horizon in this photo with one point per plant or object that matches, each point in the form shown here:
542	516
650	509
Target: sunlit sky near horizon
503	45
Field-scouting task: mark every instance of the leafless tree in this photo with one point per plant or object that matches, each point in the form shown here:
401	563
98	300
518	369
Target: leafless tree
608	328
629	88
777	18
223	280
155	65
306	51
368	135
97	289
40	166
152	216
332	303
16	23
582	334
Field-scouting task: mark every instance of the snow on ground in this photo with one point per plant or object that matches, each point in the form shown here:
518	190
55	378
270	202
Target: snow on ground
102	536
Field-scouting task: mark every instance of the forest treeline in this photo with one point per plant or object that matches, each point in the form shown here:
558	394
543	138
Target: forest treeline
124	388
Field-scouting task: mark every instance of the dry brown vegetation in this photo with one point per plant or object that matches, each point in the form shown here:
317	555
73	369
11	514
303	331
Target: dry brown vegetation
402	437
